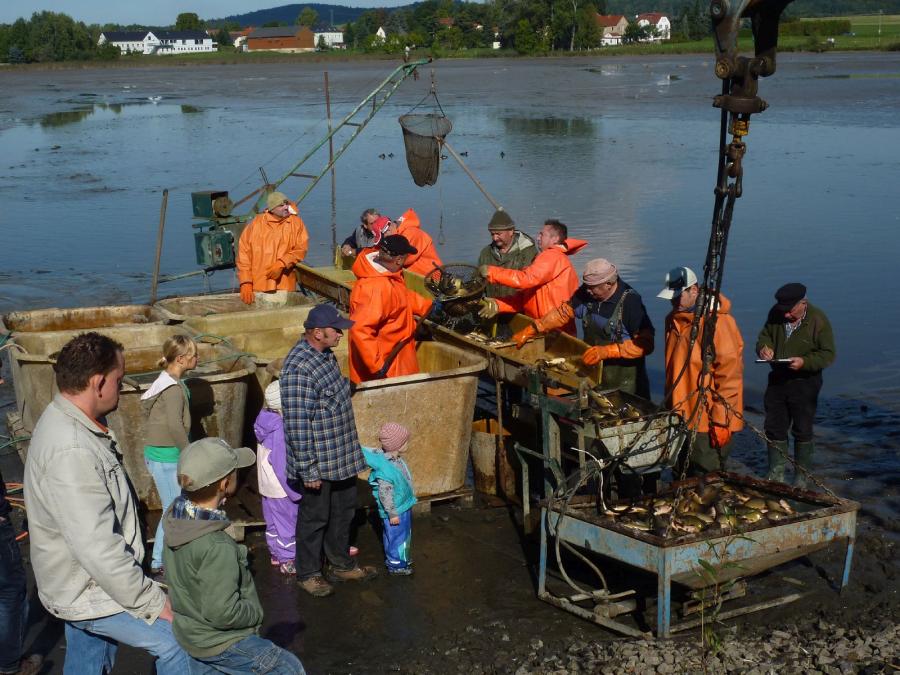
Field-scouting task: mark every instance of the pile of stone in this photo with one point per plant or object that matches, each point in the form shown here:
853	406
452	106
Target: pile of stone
826	649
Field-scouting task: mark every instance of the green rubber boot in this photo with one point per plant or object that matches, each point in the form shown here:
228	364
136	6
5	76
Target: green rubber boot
777	457
803	454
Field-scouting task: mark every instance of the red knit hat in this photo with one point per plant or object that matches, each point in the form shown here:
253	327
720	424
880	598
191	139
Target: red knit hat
393	436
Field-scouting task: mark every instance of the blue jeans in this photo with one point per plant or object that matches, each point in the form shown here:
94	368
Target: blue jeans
165	476
254	655
91	644
13	599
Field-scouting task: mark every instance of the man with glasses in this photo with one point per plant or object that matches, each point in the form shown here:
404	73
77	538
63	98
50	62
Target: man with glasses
798	342
614	321
269	247
382	339
324	453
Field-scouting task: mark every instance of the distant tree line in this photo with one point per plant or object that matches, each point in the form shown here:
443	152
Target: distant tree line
49	36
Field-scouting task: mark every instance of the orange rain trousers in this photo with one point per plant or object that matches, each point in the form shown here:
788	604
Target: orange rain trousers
382	309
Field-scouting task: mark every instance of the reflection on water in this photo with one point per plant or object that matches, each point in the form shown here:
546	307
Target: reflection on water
549	126
81	113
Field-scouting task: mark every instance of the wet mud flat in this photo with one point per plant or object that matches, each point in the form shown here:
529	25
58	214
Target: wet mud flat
471	607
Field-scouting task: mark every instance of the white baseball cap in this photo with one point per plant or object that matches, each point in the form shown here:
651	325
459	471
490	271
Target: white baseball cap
677	279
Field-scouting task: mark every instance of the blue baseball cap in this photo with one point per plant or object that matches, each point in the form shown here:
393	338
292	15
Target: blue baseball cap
326	316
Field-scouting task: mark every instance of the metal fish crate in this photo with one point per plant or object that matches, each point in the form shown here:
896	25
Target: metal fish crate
819	521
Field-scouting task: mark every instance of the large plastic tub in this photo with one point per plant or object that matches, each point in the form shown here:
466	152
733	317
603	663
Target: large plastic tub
176	310
219	387
436	405
32	357
78	318
233	324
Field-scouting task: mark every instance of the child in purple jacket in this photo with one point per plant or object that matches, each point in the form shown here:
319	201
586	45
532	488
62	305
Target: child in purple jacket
279	502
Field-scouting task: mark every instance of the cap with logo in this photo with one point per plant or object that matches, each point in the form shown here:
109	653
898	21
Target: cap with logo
677	279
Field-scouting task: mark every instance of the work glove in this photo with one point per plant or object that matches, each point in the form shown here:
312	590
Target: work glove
275	271
483	271
489	308
719	436
524	335
247	293
595	355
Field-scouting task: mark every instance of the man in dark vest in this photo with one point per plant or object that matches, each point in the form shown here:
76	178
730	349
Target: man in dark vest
798	340
614	321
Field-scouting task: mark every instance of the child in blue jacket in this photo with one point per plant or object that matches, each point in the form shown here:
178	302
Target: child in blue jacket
391	483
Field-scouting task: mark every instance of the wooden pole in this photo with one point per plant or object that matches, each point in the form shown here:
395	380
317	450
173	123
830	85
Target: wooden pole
159	242
331	162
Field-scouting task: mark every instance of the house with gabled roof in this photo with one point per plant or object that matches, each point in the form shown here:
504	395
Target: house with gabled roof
612	28
177	42
281	39
126	40
657	20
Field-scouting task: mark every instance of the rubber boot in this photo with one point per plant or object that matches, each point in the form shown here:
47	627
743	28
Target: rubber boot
803	454
777	456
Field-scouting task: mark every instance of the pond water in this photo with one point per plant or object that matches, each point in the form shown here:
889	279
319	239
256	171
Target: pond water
623	150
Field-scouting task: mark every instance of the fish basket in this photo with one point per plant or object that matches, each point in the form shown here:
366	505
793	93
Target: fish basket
423	135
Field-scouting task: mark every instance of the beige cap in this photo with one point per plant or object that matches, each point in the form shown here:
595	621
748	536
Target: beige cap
599	271
205	461
275	199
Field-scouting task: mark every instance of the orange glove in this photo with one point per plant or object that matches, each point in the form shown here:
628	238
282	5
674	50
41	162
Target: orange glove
247	293
595	355
275	271
719	436
525	335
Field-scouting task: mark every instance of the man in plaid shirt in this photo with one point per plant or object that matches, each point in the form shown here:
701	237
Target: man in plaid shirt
324	455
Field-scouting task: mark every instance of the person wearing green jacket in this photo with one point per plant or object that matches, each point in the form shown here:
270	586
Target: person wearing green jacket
214	600
798	341
509	248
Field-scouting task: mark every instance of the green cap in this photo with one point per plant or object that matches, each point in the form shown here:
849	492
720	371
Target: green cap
275	199
205	461
500	221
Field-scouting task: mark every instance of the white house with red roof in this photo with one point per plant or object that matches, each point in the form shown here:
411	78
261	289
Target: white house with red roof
659	21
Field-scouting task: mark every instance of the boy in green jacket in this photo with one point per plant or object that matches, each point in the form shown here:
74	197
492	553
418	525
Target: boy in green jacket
217	611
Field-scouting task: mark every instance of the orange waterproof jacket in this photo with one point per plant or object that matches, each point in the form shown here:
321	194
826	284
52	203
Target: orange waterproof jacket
268	239
425	260
382	308
549	281
725	398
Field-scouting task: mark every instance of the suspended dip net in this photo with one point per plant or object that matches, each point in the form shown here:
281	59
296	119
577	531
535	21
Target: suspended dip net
423	134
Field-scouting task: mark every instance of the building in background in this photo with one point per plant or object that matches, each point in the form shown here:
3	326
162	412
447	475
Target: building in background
333	37
127	41
613	29
657	20
281	39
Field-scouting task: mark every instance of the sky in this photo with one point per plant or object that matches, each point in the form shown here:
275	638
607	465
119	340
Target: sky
156	13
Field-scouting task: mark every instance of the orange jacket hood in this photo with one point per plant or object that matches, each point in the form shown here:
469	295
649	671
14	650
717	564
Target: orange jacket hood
725	402
426	258
382	309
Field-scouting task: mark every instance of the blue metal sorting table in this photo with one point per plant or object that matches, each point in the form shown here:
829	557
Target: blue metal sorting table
820	520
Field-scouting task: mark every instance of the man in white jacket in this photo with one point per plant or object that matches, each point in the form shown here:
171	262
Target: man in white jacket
86	547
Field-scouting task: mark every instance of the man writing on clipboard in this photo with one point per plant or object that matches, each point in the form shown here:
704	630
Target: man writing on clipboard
798	342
